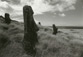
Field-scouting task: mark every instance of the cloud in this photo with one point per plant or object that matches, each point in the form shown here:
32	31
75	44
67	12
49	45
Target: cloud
14	7
62	15
12	1
40	7
4	7
63	5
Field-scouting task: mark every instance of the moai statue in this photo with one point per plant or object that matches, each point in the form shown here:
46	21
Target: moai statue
39	23
7	18
55	29
30	31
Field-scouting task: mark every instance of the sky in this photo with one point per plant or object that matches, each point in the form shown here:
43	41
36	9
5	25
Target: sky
48	12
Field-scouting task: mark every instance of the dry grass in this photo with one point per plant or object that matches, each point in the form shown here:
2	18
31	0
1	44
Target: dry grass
67	43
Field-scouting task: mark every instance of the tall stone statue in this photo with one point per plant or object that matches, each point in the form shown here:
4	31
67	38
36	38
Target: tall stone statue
7	18
55	29
30	31
39	23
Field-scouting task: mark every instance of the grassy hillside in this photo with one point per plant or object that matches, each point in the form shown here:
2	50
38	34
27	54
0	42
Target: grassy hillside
67	43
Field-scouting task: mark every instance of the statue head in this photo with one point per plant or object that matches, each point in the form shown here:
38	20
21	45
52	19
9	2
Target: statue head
27	9
7	15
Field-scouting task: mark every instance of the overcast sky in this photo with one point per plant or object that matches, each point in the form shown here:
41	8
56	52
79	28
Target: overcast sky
48	12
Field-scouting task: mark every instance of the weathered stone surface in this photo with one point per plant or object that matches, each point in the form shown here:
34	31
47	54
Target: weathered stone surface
55	29
7	18
30	29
